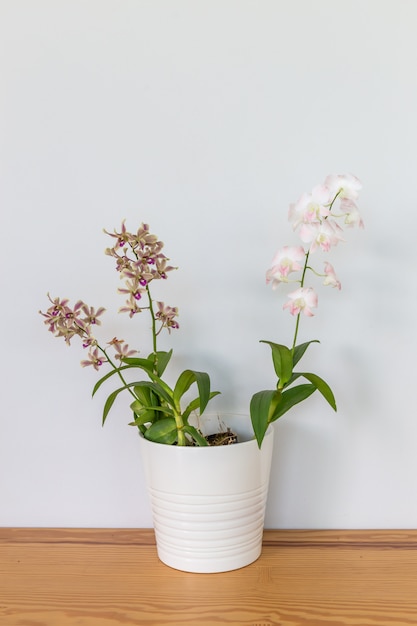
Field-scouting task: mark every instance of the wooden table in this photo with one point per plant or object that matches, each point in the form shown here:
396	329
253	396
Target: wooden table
90	577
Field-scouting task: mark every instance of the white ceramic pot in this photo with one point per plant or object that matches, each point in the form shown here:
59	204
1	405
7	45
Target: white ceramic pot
208	503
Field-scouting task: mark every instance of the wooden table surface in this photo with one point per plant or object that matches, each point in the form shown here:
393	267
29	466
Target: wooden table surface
90	577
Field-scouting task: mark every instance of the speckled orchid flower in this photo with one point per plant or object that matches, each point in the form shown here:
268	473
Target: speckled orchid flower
157	408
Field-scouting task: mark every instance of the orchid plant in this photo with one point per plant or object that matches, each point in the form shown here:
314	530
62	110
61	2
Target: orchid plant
157	407
319	218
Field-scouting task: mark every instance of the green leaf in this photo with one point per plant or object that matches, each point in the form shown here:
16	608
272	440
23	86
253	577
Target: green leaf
162	391
197	436
260	405
291	397
283	361
161	384
145	396
142	417
137	407
195	404
203	384
152	411
109	403
163	431
158	360
130	363
143	364
323	387
184	382
162	359
300	349
108	375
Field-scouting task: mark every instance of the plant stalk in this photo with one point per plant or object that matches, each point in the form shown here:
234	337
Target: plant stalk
297	323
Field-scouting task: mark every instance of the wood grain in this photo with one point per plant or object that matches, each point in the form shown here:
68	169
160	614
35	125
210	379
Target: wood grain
112	577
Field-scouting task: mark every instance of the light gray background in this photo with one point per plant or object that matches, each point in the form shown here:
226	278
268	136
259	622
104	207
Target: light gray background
206	119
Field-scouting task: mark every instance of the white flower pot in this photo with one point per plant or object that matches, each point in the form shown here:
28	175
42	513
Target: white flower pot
208	503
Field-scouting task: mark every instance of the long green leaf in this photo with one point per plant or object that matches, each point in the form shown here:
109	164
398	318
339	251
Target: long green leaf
109	403
143	364
149	400
146	365
130	363
291	397
161	384
195	404
158	359
283	361
107	376
145	395
203	384
145	383
323	387
260	412
300	349
162	359
160	390
184	382
198	437
152	411
142	417
163	431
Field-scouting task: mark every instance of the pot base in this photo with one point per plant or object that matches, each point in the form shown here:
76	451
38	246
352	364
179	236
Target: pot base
206	534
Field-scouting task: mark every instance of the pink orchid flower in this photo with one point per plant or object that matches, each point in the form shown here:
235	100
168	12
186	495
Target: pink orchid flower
301	300
331	278
311	208
94	359
121	348
353	217
285	261
324	235
345	185
167	314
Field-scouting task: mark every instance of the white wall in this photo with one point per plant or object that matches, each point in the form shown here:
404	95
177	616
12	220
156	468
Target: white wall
206	119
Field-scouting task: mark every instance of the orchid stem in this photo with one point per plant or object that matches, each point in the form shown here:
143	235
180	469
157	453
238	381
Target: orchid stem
154	333
297	323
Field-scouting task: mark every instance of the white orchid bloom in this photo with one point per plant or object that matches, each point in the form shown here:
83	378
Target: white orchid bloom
285	261
301	301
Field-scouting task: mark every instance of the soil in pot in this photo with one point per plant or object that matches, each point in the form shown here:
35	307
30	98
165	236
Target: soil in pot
222	439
